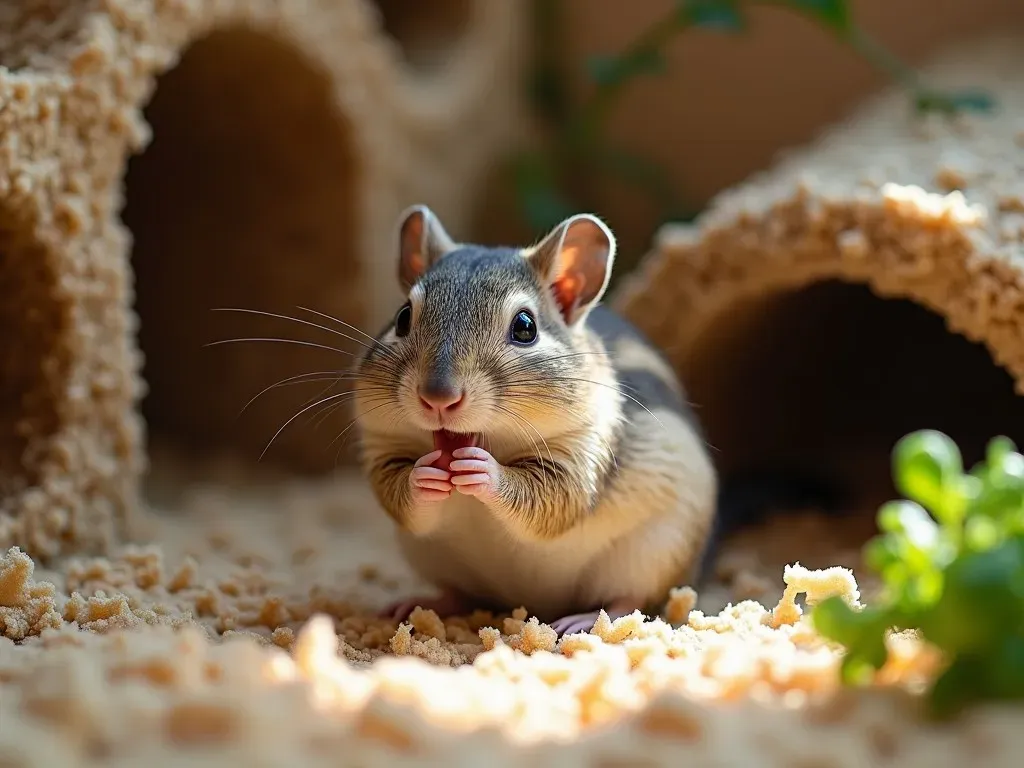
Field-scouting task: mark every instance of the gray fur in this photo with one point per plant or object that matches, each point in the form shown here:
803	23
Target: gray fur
647	387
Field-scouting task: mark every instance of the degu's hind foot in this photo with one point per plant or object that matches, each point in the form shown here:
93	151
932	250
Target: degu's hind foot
584	622
448	603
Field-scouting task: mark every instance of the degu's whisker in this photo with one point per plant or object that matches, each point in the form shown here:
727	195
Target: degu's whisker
517	418
368	394
282	341
522	364
322	416
293	418
301	378
529	382
609	386
375	342
353	423
291	319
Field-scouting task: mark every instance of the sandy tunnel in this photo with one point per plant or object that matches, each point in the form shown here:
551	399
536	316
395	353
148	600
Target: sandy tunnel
244	198
826	379
818	315
33	356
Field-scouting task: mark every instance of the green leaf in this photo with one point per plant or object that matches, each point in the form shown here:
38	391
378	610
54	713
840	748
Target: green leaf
957	101
882	553
982	601
609	71
834	13
836	620
954	688
1005	669
958	580
927	463
862	632
911	521
857	670
981	533
712	14
973	101
604	70
645	174
540	200
999	449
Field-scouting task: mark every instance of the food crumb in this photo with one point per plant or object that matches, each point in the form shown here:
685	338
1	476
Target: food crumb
428	623
681	600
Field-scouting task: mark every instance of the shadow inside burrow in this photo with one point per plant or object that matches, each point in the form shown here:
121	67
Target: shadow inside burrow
824	381
245	198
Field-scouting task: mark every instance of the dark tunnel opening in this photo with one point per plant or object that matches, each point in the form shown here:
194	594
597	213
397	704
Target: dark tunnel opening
825	380
245	198
426	33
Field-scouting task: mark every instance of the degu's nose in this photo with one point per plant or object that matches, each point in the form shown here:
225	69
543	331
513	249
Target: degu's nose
440	397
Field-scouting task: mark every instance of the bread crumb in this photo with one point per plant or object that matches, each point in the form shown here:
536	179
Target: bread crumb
533	636
15	571
582	642
401	641
681	600
27	608
185	576
428	623
817	585
617	631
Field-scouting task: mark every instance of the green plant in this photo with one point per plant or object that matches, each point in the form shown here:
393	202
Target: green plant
951	559
546	179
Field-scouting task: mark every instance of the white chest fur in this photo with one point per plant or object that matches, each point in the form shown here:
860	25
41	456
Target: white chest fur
472	550
643	537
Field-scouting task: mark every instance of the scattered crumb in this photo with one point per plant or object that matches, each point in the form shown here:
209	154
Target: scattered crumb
681	600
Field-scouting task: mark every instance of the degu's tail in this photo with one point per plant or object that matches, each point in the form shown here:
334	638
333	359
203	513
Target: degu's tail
751	497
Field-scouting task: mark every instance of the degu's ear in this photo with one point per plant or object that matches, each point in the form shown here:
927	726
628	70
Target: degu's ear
575	260
422	241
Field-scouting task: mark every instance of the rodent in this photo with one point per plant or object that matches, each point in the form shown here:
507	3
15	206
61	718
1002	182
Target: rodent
579	478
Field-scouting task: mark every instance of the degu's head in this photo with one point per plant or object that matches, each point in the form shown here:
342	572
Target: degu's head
488	339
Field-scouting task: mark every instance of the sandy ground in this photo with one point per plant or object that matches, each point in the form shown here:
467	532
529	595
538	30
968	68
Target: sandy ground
240	632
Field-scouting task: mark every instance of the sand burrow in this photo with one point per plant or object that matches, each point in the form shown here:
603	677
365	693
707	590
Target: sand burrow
33	364
426	32
244	198
827	378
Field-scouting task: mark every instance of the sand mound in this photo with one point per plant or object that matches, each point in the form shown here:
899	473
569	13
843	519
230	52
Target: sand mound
243	640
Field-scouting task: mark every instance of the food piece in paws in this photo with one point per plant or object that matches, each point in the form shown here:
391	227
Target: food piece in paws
448	442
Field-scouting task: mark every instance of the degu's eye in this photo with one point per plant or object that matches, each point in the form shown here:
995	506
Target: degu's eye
524	328
403	320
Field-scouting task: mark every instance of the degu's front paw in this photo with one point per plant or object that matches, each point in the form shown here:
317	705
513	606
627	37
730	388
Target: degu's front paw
429	483
475	473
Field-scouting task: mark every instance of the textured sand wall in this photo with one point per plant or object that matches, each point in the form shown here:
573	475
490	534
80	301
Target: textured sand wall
771	305
246	635
259	152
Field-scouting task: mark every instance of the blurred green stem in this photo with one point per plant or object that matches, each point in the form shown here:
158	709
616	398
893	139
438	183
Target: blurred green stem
546	177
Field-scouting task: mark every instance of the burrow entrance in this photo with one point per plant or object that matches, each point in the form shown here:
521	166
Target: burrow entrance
33	362
245	198
827	379
426	32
